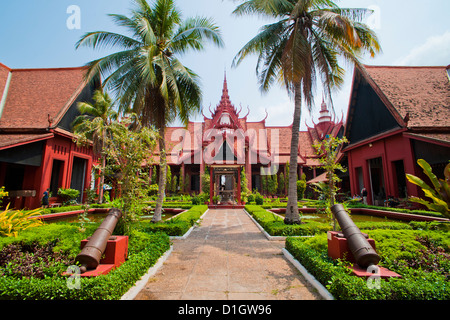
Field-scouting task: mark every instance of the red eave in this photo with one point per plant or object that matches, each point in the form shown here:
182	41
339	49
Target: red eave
418	136
26	140
380	136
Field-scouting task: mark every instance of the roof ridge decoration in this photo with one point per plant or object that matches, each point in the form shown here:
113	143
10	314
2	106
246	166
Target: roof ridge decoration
225	116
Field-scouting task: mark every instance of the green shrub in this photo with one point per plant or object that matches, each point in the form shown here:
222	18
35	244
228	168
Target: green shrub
275	226
176	226
144	251
68	195
401	252
259	199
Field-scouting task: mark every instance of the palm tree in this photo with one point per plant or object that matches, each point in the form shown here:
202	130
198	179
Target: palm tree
93	124
146	74
304	44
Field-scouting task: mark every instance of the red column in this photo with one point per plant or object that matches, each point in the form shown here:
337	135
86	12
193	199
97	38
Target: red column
211	185
239	185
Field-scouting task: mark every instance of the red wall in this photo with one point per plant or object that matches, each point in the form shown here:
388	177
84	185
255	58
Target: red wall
39	178
390	149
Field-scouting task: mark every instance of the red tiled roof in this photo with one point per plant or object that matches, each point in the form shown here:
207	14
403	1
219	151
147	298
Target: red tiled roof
4	72
36	93
421	92
14	140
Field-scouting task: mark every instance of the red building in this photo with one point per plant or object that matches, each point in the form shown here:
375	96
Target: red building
37	108
226	142
396	116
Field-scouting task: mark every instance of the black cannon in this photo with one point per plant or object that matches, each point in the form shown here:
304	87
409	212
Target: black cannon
90	255
362	251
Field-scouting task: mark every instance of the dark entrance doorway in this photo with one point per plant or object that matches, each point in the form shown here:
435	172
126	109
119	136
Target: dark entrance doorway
377	181
400	179
78	176
56	178
225	186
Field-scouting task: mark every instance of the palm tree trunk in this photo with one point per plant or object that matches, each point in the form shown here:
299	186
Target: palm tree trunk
292	215
102	172
162	176
102	180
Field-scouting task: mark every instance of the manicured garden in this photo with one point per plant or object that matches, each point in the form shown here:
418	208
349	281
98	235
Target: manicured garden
418	251
31	264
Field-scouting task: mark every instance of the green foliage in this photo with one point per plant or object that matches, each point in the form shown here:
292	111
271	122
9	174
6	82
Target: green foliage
12	222
272	184
259	199
169	180
126	150
420	257
176	226
438	192
3	194
68	195
144	251
275	226
205	182
301	187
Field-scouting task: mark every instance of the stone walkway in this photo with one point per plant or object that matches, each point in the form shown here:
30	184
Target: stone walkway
227	258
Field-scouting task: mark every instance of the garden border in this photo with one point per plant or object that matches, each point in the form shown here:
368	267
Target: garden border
268	236
140	284
184	237
308	276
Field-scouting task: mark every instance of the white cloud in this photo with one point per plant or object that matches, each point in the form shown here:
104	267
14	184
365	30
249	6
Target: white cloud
435	51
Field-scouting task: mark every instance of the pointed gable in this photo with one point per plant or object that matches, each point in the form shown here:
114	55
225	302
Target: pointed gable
369	113
37	95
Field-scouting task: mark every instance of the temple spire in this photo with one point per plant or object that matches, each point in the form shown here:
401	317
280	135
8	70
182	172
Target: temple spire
324	112
225	100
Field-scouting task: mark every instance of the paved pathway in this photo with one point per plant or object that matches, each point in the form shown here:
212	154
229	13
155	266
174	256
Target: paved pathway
227	258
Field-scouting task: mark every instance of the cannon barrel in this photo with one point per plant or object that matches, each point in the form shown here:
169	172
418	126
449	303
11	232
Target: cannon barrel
362	251
90	255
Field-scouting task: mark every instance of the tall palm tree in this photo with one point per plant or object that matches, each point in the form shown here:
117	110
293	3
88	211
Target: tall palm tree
300	48
93	124
146	74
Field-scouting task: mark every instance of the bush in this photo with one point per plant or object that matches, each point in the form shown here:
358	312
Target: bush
259	199
176	226
275	226
12	221
301	187
144	250
420	257
68	195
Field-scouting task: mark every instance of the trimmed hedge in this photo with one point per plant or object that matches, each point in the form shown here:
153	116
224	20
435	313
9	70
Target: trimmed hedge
275	226
144	251
399	250
176	226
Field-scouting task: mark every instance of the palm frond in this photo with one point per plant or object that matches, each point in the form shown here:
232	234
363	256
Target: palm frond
105	39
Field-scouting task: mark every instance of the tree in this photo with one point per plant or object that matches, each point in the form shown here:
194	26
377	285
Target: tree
302	45
438	192
272	184
328	150
301	187
129	146
93	124
146	74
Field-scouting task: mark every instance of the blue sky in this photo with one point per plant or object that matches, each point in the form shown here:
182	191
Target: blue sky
33	34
